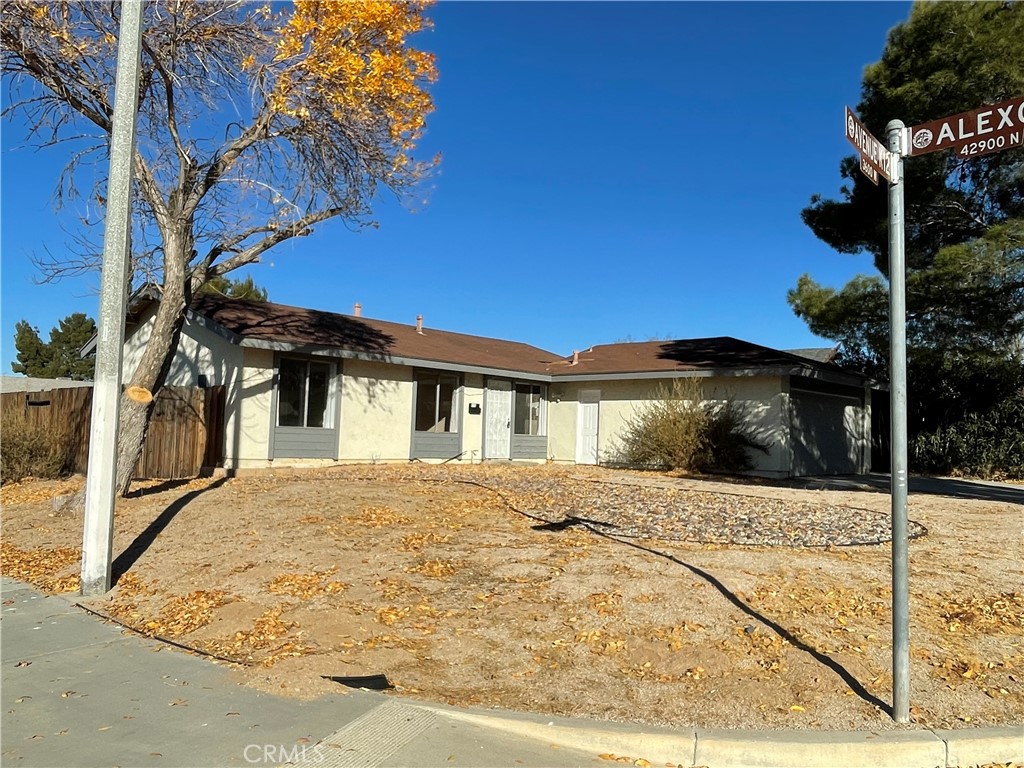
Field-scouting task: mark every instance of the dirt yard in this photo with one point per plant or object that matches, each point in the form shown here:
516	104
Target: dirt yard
612	595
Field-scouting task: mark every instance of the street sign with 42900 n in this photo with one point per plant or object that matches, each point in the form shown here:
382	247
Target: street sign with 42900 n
972	134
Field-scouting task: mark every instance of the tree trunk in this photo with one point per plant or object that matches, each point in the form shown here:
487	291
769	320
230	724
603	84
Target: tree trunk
150	375
152	369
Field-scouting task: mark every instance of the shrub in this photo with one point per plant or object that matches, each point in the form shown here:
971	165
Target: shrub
27	451
679	430
727	441
989	445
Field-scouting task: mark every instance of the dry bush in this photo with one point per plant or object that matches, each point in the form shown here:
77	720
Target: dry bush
27	451
678	429
728	441
667	432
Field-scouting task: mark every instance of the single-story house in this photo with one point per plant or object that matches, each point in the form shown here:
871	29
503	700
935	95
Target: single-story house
309	388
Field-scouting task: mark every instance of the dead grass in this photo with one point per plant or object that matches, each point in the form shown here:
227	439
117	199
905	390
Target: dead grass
457	598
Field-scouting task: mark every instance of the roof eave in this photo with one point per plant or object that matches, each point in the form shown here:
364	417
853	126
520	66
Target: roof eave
835	377
413	362
148	292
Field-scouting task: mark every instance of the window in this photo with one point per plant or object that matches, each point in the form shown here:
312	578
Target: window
303	394
528	418
435	402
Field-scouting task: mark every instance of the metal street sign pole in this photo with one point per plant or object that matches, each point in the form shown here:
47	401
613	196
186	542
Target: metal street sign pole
895	133
101	478
981	131
877	161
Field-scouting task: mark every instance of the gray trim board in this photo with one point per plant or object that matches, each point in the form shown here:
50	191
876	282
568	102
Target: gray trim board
529	446
216	328
305	443
436	445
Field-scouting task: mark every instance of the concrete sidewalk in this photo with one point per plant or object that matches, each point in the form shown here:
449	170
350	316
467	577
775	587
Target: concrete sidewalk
77	691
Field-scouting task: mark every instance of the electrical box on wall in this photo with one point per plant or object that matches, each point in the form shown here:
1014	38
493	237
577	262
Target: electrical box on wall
474	409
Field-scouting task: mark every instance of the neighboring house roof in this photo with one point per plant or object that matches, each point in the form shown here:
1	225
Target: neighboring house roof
267	322
36	384
720	353
819	354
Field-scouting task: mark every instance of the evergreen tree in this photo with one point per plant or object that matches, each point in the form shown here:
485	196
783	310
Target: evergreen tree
235	288
964	221
33	354
66	342
965	217
60	358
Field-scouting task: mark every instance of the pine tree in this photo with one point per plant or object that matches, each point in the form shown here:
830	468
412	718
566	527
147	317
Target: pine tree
60	358
232	288
33	354
964	228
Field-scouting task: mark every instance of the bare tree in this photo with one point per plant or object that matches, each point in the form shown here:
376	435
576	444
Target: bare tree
253	128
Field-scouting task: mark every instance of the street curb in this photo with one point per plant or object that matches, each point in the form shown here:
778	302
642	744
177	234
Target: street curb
750	748
984	745
819	749
658	745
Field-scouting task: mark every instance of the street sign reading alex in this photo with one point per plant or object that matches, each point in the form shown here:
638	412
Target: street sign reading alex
975	133
873	154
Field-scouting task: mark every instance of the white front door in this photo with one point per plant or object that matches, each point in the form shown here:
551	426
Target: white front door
498	427
586	426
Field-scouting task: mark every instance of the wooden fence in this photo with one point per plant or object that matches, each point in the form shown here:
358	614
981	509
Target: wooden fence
186	432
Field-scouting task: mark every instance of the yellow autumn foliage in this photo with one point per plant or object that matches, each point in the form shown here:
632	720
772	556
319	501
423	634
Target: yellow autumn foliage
351	61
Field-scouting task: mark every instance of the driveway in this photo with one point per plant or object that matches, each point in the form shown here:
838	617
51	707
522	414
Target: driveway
955	487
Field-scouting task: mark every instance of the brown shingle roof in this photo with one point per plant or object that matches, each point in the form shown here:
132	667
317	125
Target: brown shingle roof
265	321
269	322
720	352
821	354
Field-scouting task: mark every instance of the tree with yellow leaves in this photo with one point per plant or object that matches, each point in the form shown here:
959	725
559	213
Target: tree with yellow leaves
254	126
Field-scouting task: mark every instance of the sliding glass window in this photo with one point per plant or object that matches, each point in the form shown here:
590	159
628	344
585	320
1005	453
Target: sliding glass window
528	414
436	402
303	394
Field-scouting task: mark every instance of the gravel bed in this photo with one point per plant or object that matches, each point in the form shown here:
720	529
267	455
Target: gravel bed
675	514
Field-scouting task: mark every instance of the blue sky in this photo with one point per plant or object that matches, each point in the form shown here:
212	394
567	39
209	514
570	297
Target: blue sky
610	170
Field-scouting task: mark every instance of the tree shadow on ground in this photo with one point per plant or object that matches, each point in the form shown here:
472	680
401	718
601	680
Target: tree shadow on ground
164	485
131	554
777	628
544	524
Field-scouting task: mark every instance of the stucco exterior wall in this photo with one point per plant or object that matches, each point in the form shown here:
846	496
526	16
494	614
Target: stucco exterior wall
376	411
762	398
472	424
250	404
200	352
562	407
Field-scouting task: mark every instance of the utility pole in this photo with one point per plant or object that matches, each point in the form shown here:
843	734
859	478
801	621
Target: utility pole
895	133
98	536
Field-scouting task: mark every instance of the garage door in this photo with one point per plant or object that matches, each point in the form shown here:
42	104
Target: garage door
825	430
